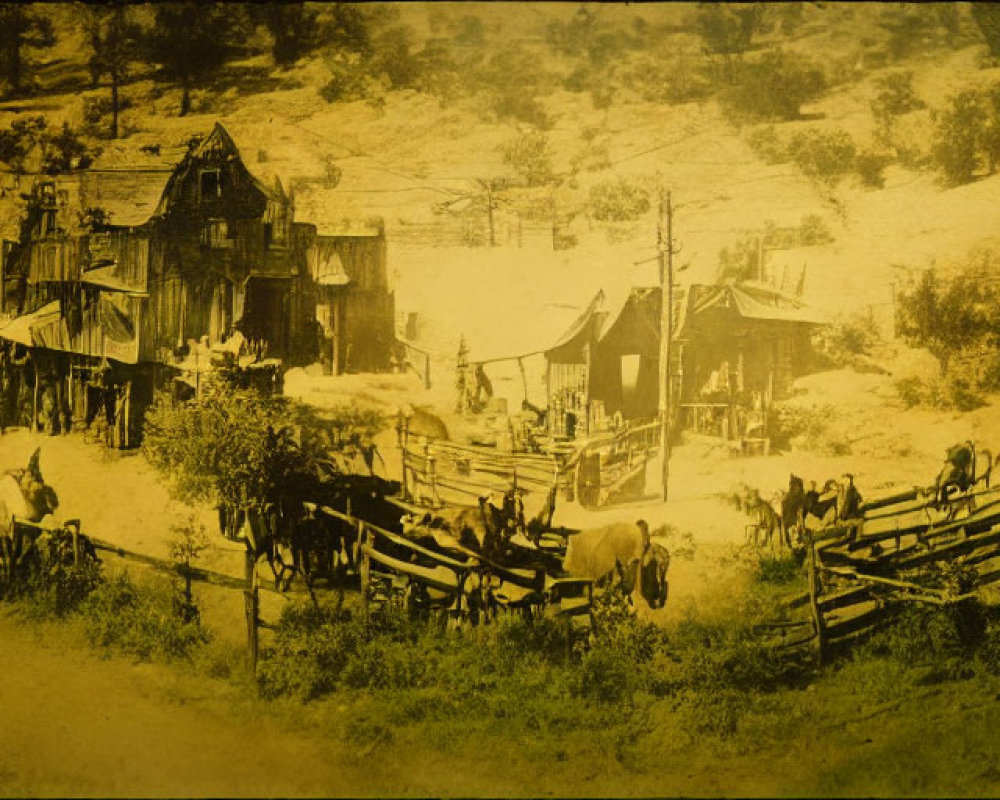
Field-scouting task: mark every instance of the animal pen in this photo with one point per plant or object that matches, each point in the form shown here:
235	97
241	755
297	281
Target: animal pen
917	546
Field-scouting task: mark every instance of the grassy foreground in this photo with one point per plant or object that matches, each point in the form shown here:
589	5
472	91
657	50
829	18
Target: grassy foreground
701	708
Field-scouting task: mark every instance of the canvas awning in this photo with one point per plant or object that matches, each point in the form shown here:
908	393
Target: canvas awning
32	330
326	265
105	278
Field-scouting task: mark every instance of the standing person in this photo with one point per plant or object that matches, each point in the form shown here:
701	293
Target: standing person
6	385
850	503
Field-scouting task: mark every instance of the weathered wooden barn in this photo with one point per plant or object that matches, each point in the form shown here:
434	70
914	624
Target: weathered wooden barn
118	283
736	349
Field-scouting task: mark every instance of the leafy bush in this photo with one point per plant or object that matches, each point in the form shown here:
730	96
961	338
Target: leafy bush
236	447
933	636
139	619
895	95
351	80
775	87
766	143
786	422
30	141
618	200
956	320
959	134
824	156
940	392
714	657
676	80
529	156
58	589
778	570
845	340
813	230
871	165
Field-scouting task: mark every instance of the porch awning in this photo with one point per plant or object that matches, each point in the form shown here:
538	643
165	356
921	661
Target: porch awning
38	328
327	267
105	278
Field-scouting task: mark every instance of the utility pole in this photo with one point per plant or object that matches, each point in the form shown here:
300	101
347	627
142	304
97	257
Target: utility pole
665	248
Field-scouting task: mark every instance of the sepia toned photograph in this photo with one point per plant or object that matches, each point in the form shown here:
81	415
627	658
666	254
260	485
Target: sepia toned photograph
499	399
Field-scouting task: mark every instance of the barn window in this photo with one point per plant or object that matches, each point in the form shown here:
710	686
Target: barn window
211	184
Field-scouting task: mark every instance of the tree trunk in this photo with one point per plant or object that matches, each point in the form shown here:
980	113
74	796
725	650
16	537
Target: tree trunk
114	107
185	100
16	70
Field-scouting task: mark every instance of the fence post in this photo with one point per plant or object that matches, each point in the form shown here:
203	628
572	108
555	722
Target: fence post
404	441
363	539
431	473
814	590
252	608
427	370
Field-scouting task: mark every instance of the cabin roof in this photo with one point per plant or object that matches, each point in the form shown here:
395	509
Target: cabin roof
751	300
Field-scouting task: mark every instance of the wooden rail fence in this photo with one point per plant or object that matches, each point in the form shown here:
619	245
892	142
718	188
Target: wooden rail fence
862	574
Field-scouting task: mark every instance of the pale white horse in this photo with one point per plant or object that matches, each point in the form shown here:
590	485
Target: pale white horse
25	495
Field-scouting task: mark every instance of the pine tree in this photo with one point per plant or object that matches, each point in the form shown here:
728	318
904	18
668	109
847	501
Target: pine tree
190	41
20	27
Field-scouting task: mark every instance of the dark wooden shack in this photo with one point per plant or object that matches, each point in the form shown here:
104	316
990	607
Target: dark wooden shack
737	349
605	366
740	346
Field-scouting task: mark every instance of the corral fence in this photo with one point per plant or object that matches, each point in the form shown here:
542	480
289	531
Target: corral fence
613	467
464	585
438	472
907	548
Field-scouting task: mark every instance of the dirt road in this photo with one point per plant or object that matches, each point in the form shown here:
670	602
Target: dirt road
74	724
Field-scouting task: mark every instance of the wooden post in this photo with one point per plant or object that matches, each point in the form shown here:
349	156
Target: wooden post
814	590
432	474
427	370
252	608
365	571
666	260
34	399
404	440
75	532
524	378
335	365
590	602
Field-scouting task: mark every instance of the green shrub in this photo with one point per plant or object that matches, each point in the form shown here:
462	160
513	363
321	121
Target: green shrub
846	339
911	390
778	570
766	143
618	200
826	156
813	230
775	87
787	422
529	157
139	619
961	129
947	393
895	95
57	589
870	165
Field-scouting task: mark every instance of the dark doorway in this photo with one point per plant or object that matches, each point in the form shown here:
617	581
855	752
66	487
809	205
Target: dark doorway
265	315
